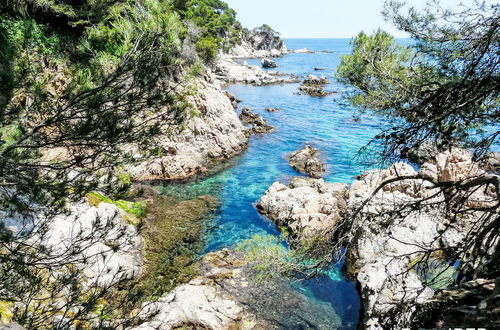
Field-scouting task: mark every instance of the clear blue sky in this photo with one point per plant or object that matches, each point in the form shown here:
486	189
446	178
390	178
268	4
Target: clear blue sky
315	18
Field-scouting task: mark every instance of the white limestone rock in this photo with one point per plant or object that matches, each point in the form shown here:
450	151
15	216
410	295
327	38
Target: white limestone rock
214	134
306	206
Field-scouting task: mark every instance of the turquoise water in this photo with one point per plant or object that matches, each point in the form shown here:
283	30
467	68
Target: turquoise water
326	123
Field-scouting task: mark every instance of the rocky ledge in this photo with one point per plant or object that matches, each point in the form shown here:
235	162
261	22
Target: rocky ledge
306	161
229	71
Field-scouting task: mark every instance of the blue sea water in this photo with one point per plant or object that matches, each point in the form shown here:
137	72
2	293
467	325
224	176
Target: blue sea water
326	123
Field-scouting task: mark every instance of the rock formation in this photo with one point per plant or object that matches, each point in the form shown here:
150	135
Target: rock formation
259	124
229	71
314	86
258	44
386	240
272	109
305	206
268	63
214	134
306	161
228	296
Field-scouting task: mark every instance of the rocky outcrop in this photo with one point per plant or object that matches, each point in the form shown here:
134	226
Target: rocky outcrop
214	133
95	238
491	162
258	44
425	153
314	86
100	236
259	124
306	161
388	236
229	71
306	206
475	303
234	100
202	302
268	63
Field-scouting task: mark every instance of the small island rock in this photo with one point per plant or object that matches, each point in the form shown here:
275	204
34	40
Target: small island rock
305	161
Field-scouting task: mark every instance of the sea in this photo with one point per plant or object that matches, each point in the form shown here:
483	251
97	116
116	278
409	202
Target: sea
330	124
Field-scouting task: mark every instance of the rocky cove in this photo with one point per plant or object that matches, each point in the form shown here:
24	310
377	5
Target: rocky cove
217	173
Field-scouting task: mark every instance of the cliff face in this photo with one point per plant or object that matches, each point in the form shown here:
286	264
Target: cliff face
212	134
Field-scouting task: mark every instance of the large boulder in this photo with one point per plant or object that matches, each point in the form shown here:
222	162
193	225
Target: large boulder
306	206
110	247
306	161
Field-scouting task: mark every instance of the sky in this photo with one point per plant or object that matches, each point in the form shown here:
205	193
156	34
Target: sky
315	18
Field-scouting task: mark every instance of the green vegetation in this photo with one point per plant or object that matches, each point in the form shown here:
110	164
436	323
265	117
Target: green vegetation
134	208
272	258
218	26
267	28
442	87
82	84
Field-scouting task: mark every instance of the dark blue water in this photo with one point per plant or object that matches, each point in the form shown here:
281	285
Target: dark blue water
326	123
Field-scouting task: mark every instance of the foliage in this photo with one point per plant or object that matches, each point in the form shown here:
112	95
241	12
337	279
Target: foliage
135	208
442	88
86	86
271	257
267	28
217	21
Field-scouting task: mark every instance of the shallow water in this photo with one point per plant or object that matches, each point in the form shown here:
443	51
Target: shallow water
326	123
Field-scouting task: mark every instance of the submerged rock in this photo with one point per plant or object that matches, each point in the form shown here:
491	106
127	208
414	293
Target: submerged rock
229	296
272	109
259	124
305	161
306	206
268	63
274	300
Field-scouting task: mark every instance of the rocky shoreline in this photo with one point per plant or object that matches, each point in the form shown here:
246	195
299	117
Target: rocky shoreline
386	244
